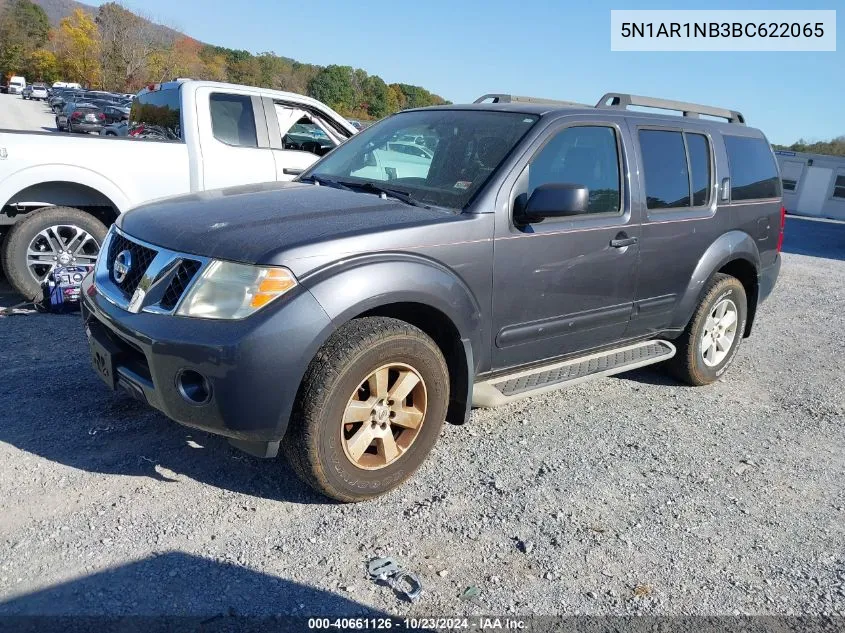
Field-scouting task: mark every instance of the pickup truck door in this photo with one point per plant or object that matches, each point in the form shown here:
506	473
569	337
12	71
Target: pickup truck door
297	137
233	139
566	285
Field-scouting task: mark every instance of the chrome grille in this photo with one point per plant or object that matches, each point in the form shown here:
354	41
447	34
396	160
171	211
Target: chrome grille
142	257
184	275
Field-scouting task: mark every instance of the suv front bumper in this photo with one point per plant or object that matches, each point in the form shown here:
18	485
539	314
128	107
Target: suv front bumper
252	367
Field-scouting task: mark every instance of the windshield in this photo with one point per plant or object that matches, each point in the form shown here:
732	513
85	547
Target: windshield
438	157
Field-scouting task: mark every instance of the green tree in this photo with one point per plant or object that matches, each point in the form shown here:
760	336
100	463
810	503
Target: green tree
333	86
23	28
376	97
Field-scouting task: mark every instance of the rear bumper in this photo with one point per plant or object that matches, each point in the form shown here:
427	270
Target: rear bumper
253	367
87	127
767	279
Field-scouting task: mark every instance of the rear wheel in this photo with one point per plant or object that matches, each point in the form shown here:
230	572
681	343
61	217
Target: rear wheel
712	338
44	239
369	410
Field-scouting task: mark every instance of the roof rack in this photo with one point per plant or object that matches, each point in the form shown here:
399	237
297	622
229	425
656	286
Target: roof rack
622	100
495	97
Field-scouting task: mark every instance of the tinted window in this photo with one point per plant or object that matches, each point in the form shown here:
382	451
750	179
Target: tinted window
158	113
468	147
585	156
699	159
839	187
665	169
232	120
752	166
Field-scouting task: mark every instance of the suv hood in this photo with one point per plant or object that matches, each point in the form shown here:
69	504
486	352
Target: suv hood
253	223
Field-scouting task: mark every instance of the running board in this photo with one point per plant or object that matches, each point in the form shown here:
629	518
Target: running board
504	389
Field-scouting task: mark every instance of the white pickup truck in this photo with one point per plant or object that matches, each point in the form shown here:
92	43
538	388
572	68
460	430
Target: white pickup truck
59	192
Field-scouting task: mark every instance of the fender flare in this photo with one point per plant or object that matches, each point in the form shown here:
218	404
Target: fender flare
41	174
361	284
728	247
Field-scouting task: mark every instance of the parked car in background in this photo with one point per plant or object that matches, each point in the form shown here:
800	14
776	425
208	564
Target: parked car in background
26	93
352	312
37	92
118	129
186	136
16	85
85	118
116	113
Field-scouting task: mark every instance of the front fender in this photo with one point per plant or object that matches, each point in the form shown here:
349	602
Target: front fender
360	284
728	247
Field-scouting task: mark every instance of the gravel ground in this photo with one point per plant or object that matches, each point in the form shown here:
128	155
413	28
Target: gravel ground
19	114
626	495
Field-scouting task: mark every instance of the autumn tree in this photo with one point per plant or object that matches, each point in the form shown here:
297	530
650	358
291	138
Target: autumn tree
77	44
43	65
128	42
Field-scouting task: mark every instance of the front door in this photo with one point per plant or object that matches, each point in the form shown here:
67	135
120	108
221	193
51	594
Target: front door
560	286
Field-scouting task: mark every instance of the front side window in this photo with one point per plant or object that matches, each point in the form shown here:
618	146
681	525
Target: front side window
300	132
232	120
582	155
156	115
438	157
754	174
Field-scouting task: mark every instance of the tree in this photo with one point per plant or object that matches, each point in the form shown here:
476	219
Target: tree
333	86
128	42
376	97
43	66
395	98
77	45
23	28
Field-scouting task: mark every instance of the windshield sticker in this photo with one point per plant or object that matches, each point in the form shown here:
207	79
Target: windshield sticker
463	184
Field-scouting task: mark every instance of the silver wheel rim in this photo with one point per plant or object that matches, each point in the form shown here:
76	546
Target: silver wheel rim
60	245
719	333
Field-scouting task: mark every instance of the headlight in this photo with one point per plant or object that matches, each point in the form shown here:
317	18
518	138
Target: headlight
226	290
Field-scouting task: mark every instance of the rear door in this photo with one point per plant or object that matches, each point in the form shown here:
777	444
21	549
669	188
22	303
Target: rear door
233	139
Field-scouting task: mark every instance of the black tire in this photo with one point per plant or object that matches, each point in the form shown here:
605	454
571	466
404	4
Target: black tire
13	254
689	365
314	444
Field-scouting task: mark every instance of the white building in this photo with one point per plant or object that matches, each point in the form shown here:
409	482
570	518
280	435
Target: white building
813	184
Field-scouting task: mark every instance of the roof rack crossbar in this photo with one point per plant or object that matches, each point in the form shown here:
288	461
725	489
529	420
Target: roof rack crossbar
495	97
622	100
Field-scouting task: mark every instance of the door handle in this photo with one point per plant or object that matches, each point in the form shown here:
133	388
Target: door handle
292	171
622	242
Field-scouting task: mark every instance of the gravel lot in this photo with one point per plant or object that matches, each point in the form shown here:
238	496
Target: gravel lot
627	495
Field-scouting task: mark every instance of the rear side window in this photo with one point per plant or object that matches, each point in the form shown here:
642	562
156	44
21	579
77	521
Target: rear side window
753	171
699	161
158	113
232	120
665	167
839	187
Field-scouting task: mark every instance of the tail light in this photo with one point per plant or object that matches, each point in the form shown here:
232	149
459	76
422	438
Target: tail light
101	116
76	115
782	227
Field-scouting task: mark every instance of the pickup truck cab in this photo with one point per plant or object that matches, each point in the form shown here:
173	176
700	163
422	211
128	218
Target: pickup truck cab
59	193
346	315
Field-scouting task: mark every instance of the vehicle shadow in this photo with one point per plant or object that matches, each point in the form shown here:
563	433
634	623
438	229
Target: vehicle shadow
815	238
652	375
49	129
63	413
186	591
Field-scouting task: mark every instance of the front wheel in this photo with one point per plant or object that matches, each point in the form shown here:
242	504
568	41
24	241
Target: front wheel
711	339
369	409
44	239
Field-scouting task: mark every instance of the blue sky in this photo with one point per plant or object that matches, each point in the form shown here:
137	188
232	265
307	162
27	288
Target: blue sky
461	49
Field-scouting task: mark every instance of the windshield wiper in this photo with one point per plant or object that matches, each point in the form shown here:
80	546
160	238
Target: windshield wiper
398	194
325	182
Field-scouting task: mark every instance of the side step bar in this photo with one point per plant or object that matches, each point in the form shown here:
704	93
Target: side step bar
504	389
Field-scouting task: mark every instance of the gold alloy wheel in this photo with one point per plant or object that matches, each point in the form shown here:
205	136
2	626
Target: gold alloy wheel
384	416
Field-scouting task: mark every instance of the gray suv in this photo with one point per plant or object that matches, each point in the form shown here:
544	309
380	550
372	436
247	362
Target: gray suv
528	245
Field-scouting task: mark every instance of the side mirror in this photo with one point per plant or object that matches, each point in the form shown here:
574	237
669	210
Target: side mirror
556	200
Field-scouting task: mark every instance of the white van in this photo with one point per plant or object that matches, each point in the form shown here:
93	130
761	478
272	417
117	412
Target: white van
66	84
16	85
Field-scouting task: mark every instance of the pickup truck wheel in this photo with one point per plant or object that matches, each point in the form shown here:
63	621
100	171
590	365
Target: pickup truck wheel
369	409
712	338
45	238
